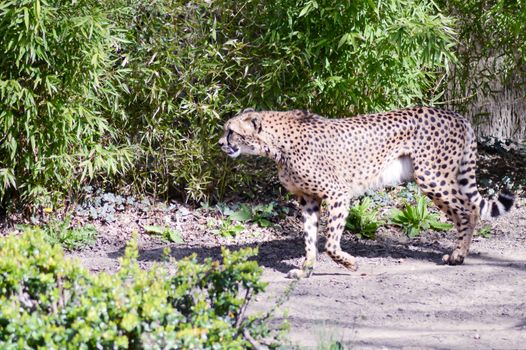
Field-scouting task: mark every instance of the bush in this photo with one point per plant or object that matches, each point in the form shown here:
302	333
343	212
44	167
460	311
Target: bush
346	58
62	232
182	79
493	45
55	91
81	84
194	64
48	301
363	219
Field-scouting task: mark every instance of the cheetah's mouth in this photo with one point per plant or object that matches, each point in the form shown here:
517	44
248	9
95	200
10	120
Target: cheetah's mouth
232	152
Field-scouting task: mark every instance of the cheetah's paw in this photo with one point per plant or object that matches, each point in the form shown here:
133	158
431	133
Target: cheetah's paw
351	266
299	273
456	258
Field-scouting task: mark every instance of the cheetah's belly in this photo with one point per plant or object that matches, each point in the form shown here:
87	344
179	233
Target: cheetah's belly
396	172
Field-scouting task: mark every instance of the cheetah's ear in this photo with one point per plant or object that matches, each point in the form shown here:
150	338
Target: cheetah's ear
248	110
254	120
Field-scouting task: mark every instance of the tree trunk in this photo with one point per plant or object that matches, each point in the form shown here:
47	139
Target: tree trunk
495	106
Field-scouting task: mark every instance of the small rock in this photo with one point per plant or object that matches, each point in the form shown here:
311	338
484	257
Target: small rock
182	212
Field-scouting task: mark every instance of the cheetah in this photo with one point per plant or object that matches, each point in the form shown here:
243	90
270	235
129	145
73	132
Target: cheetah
332	160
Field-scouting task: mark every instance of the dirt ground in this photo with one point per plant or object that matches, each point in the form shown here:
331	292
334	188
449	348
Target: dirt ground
401	297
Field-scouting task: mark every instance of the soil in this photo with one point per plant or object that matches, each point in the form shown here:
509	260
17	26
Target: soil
401	297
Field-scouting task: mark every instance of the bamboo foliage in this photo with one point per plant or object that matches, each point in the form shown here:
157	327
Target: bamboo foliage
53	91
135	92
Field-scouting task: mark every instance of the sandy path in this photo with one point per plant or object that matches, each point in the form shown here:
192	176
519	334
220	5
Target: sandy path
414	303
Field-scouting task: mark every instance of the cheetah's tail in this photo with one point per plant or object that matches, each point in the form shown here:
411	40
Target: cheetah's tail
496	207
489	208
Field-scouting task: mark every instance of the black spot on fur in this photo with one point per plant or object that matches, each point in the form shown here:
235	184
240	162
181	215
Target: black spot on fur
463	182
482	204
471	195
506	200
495	210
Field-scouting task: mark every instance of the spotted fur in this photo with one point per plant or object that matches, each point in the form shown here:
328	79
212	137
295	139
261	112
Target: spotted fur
333	160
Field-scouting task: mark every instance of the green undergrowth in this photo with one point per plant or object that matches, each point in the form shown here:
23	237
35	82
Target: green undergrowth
365	219
62	232
414	219
234	218
48	301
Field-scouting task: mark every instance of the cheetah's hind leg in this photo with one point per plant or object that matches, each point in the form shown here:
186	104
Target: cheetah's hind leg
310	210
457	207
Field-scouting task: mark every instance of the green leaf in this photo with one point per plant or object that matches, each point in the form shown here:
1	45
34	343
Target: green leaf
262	222
244	213
26	17
174	236
343	40
154	229
440	226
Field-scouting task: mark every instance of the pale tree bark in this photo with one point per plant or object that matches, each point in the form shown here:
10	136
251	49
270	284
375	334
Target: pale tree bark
496	106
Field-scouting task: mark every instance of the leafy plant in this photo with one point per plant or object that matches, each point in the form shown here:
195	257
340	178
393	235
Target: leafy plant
233	224
362	219
57	85
167	233
409	192
267	58
259	214
485	231
414	219
139	90
48	301
492	47
226	227
61	232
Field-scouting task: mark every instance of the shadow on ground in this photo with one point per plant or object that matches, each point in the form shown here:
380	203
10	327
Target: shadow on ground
275	254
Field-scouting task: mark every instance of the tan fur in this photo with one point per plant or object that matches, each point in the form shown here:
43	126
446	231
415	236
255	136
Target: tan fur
333	160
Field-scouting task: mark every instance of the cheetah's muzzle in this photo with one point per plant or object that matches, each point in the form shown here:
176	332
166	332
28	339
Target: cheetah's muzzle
231	151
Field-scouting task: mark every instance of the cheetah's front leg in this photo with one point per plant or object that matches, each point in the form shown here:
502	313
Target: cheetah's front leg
338	211
310	213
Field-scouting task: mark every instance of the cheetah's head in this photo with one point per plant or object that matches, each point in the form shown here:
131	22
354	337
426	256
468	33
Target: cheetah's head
242	135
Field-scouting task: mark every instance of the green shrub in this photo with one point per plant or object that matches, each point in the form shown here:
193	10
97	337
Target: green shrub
82	83
55	91
193	64
167	233
48	301
260	214
182	79
414	219
363	220
492	47
348	57
57	231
